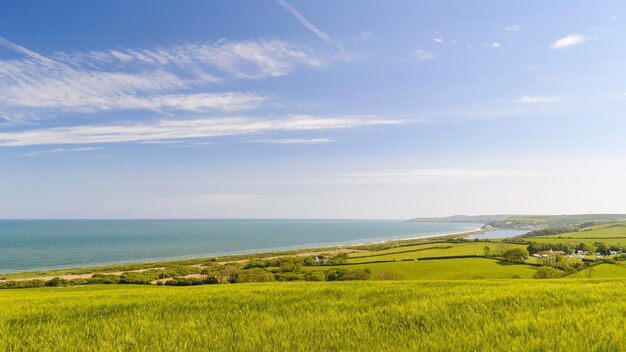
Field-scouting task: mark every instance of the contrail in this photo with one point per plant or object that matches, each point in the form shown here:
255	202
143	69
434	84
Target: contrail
23	50
323	36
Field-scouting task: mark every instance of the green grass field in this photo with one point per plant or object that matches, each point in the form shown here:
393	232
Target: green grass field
603	271
514	315
611	234
429	250
446	269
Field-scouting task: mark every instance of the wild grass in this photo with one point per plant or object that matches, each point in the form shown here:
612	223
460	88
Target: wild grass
513	315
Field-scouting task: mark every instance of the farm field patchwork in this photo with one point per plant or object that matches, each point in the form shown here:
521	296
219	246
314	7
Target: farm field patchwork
445	269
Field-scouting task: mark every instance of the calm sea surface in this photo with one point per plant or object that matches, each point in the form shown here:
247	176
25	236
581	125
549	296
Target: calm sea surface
27	245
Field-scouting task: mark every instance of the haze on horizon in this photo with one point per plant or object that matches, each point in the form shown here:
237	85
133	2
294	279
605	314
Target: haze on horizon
311	109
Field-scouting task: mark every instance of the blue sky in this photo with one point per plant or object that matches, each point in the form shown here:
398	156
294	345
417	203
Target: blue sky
311	109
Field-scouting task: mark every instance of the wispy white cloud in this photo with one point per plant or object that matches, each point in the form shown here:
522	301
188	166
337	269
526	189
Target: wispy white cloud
539	99
617	96
422	55
61	151
514	28
439	40
310	26
426	175
493	45
569	41
161	78
294	141
164	130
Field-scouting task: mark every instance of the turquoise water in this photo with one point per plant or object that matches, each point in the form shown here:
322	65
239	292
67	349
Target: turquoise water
498	234
29	245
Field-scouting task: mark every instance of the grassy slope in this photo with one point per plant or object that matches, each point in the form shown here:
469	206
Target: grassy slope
424	251
446	269
603	271
515	315
614	233
557	220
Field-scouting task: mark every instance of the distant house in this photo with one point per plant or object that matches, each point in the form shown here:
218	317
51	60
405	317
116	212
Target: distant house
581	257
551	253
613	252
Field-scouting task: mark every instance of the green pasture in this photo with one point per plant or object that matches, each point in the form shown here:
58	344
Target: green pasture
442	249
445	269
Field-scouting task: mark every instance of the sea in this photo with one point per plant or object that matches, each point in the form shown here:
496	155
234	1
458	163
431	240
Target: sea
35	245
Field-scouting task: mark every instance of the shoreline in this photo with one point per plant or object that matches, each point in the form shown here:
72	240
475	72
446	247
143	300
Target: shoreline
81	272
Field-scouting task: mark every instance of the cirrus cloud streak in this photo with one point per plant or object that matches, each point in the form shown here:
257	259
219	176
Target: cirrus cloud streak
165	130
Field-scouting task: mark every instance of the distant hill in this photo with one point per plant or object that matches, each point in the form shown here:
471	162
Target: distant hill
530	221
556	221
482	219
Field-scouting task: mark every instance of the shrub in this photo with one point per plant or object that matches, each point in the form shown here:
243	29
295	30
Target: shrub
253	275
22	284
192	281
315	276
289	276
515	255
57	282
357	274
104	279
546	272
143	278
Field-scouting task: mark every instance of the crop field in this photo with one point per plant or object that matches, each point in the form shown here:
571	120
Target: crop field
424	251
446	269
516	315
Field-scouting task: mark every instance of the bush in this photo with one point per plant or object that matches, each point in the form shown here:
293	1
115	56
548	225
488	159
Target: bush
22	284
357	274
192	281
104	279
345	275
144	278
289	276
253	275
546	272
315	276
57	282
515	255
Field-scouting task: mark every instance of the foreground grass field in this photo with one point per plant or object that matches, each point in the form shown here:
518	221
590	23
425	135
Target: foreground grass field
513	315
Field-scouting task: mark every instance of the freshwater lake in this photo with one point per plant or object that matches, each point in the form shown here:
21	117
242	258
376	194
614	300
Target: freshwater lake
30	245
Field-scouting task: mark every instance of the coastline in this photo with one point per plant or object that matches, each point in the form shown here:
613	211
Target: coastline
448	234
81	272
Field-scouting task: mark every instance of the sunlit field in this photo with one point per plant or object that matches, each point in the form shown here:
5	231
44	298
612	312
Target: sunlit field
516	315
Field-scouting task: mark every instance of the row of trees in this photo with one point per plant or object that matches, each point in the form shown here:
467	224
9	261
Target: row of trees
596	247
